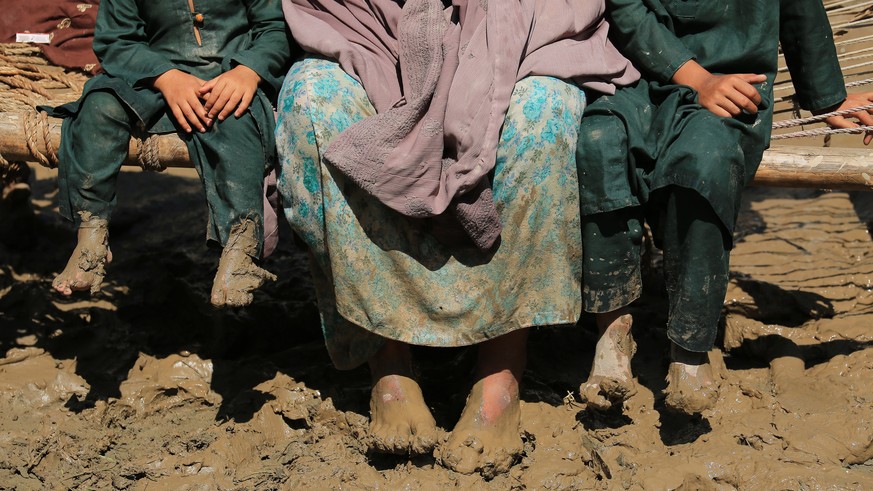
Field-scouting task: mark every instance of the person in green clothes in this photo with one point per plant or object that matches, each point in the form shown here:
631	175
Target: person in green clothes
677	149
208	71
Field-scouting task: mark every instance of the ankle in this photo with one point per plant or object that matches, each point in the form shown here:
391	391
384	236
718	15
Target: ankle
679	354
605	319
243	237
394	358
507	353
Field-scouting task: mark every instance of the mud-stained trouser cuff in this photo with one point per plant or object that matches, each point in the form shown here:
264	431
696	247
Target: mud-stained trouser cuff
612	245
696	264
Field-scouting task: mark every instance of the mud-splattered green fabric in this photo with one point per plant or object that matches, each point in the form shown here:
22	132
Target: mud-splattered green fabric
654	145
381	275
137	41
655	134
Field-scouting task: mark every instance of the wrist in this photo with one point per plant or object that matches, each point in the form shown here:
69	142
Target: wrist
158	81
691	74
249	73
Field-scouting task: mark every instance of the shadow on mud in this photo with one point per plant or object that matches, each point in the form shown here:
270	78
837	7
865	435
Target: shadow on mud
155	301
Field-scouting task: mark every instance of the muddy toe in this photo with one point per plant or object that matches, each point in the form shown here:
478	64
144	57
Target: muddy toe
235	288
462	457
602	392
685	394
402	439
498	462
471	455
424	440
83	273
590	394
390	439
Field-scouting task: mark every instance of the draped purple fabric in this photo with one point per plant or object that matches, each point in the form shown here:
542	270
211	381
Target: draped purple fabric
440	79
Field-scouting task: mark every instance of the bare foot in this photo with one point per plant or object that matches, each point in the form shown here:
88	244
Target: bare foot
87	265
691	385
400	422
611	379
238	275
487	437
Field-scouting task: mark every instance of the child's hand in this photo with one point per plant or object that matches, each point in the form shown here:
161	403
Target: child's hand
854	100
232	90
723	95
180	90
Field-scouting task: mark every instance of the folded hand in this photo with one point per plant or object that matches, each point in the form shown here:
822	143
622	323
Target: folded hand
230	92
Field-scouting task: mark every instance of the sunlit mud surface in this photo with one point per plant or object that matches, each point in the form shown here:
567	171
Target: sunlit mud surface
145	386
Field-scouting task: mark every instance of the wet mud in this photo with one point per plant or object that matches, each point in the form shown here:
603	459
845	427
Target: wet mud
146	386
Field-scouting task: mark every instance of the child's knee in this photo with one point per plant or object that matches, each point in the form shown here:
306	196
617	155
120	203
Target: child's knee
602	131
103	106
602	140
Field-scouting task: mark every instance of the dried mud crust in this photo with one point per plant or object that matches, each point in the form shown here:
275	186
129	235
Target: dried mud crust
483	443
238	276
86	267
691	389
148	387
611	380
400	421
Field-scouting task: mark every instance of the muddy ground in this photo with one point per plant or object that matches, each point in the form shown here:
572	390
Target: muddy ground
146	387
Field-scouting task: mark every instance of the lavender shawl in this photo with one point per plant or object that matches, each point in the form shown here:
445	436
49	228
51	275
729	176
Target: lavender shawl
440	80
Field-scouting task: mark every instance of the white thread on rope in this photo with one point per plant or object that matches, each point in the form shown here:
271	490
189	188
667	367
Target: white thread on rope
821	117
822	131
856	83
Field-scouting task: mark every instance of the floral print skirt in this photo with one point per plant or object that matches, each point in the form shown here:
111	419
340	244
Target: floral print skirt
379	274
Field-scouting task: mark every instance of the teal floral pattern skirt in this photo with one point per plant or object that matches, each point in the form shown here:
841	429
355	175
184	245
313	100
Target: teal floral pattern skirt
379	274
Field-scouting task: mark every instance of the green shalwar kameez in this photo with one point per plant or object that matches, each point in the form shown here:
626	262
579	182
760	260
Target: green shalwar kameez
138	40
652	150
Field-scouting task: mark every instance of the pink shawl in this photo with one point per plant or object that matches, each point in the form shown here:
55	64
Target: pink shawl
440	80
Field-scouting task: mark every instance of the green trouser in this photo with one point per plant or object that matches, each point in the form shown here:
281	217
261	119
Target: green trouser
229	157
696	261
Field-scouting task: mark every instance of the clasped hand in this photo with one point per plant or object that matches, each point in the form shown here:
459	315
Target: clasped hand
196	103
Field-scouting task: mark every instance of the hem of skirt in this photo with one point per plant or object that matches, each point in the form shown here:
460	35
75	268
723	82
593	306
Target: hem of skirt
570	316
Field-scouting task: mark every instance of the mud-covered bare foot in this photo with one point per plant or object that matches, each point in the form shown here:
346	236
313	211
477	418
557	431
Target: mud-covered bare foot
238	276
487	437
400	421
611	380
87	265
691	383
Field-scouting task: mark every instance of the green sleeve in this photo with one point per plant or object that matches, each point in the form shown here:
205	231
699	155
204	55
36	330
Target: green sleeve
270	51
644	38
808	44
120	44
